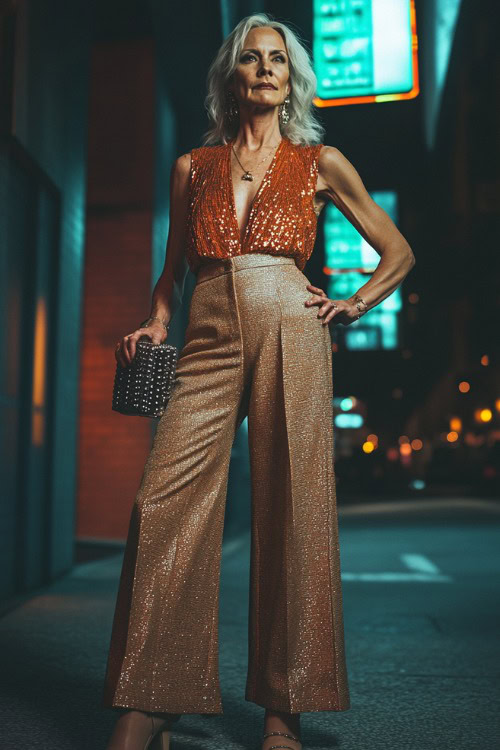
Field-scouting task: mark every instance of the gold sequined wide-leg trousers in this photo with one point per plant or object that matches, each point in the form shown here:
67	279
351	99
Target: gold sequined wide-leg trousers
252	349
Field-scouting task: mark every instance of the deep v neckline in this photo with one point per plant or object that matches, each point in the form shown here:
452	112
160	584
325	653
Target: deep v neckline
232	199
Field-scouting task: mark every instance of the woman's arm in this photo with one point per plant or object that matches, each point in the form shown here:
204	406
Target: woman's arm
339	181
167	294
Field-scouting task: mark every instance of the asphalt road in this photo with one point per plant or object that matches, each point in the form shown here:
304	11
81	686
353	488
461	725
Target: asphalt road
421	587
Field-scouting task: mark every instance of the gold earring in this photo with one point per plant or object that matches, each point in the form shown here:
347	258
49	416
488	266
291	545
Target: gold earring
232	110
284	114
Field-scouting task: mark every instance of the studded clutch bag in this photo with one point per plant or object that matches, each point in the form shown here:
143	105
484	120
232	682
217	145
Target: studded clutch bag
143	388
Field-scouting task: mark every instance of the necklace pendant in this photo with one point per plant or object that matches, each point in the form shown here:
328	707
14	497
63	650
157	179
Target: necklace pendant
247	176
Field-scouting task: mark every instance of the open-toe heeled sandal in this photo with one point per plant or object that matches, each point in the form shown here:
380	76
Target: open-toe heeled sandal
282	734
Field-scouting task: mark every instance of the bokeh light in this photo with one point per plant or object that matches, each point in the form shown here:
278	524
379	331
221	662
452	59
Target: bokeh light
346	404
483	415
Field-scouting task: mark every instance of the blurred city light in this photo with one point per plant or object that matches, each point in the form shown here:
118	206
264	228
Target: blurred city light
417	484
368	446
464	386
405	449
346	404
455	424
485	360
348	421
416	444
483	415
452	436
403	439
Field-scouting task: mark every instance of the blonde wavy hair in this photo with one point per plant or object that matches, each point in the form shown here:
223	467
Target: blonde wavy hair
302	128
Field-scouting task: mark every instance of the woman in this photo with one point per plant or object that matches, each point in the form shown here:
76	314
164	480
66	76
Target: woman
243	217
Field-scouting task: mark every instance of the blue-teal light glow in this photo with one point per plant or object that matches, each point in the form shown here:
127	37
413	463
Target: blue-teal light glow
442	19
349	421
346	404
362	47
417	484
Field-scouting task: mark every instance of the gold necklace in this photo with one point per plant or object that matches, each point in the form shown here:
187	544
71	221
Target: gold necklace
247	174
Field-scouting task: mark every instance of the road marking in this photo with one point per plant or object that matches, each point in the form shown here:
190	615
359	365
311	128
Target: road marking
420	563
422	570
395	577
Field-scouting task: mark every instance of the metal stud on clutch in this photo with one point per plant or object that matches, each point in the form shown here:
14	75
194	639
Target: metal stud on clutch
143	388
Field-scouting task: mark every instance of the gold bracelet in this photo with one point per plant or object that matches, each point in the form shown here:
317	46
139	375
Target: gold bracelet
360	301
153	317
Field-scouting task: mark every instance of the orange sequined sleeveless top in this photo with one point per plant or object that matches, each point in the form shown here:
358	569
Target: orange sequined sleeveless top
282	219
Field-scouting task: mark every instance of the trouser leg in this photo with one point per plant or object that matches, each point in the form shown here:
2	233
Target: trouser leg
296	644
164	645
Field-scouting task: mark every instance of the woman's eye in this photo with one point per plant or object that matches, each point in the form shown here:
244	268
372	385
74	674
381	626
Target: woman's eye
247	58
280	57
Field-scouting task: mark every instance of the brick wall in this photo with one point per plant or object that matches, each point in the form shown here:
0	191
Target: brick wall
117	286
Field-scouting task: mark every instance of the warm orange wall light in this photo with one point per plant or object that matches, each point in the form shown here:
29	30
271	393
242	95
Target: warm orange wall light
39	370
384	97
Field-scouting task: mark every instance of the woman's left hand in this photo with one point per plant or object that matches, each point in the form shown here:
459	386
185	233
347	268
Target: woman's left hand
342	310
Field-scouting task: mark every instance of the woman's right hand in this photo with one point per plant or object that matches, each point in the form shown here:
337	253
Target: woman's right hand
126	348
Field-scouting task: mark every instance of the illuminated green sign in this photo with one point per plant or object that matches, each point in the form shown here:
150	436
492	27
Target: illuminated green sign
349	260
364	50
344	246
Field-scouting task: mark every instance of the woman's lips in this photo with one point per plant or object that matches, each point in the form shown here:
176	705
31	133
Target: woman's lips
265	86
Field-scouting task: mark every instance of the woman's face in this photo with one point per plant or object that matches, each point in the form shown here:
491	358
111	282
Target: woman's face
261	77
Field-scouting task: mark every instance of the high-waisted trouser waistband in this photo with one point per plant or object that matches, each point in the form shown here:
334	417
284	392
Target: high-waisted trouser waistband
216	267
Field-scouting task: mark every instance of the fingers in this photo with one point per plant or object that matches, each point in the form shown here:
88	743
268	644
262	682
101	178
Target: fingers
333	312
318	297
122	351
315	289
328	306
331	308
125	350
315	301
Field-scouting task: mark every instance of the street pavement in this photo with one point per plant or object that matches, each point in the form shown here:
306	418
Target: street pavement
421	586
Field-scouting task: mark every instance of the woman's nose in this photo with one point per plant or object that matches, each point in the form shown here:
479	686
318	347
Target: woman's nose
265	70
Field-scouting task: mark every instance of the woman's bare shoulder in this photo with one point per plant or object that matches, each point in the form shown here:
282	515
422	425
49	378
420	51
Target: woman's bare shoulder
334	168
182	165
330	157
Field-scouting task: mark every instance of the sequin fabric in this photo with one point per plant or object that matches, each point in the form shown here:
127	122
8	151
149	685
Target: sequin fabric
282	219
252	349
